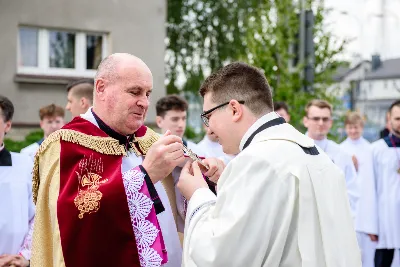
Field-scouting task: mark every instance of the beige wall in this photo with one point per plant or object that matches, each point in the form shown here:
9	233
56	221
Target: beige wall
134	26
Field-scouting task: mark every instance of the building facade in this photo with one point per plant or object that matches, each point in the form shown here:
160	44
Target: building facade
47	43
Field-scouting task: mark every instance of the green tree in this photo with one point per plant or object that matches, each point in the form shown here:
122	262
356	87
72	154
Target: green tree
204	35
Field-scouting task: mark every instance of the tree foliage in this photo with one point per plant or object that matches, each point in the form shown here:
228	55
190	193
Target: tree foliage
204	35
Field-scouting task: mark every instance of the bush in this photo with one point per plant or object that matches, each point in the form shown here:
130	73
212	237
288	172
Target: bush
16	146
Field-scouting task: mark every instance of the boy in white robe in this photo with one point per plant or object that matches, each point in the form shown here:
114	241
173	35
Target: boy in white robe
51	120
16	205
280	202
171	114
318	121
361	152
381	207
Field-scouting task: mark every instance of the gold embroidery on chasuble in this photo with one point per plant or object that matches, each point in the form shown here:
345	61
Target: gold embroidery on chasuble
89	181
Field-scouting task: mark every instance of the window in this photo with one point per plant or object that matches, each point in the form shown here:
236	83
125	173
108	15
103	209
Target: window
60	52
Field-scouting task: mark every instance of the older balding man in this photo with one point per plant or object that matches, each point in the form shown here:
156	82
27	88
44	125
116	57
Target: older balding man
99	201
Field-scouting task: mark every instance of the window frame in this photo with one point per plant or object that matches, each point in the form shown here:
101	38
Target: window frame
43	54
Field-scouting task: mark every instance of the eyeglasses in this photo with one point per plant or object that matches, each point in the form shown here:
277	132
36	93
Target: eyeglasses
205	115
317	119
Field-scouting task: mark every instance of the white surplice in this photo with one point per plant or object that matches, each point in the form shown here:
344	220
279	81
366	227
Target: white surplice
214	150
345	163
381	211
362	150
165	218
276	207
16	206
30	150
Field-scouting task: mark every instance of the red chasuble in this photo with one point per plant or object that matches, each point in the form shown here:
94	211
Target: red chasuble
92	207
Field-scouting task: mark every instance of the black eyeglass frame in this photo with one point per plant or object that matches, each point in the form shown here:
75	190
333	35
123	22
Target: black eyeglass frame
204	114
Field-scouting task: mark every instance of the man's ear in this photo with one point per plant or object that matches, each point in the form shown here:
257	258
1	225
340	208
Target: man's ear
236	109
7	127
305	121
159	120
99	88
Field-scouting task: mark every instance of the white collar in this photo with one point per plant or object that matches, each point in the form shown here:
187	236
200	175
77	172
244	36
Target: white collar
264	119
355	142
2	147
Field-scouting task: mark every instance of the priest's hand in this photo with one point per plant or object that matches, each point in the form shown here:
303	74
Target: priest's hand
374	238
163	156
190	180
215	168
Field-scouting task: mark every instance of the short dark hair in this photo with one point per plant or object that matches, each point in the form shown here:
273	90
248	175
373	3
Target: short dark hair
6	108
394	104
170	102
241	82
82	88
281	105
51	111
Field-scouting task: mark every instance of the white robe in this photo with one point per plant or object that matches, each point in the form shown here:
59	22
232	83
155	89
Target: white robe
276	207
345	163
30	150
16	205
165	218
362	150
382	206
214	150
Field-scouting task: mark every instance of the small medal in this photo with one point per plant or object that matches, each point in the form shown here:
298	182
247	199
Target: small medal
398	170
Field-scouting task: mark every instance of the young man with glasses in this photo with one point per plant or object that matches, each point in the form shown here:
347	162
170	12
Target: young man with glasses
280	202
318	121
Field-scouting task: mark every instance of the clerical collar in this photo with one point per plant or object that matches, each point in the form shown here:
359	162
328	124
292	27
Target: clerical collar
392	140
5	157
122	139
266	121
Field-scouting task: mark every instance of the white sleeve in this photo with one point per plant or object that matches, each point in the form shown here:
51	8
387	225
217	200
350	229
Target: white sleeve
367	213
352	184
221	230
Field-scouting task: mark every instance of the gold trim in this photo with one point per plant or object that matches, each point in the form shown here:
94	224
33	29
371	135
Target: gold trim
103	145
145	142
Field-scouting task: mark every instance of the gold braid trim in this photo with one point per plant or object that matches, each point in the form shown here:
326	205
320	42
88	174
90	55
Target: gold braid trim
146	141
103	145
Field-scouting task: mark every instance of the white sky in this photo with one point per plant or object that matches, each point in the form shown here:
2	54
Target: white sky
362	25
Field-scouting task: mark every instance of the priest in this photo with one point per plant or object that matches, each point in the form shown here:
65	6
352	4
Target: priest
99	201
380	200
16	205
281	201
361	152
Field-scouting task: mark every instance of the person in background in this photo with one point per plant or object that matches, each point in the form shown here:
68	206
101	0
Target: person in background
51	120
361	152
282	109
318	121
171	113
80	96
385	131
16	205
380	198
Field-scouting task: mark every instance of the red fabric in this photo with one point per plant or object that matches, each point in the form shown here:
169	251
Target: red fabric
104	237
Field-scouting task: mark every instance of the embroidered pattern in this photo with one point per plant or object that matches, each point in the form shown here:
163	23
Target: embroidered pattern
88	200
103	145
139	207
